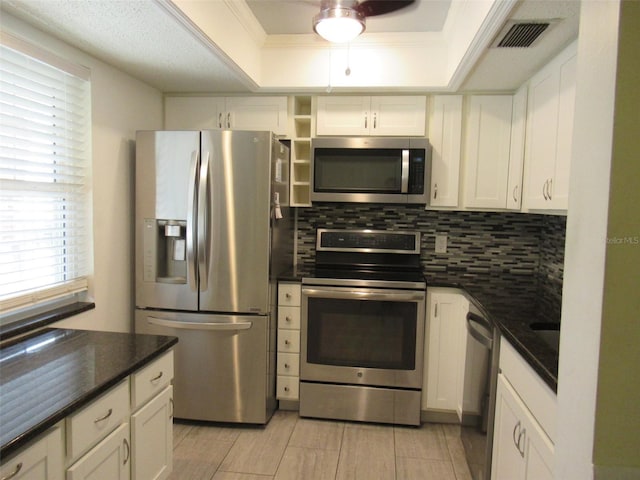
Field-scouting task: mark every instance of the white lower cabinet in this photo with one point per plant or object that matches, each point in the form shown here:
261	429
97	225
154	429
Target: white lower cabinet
524	422
445	348
288	361
521	449
152	438
42	460
110	459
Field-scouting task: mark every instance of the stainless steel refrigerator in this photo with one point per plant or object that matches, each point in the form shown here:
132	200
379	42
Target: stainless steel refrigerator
213	231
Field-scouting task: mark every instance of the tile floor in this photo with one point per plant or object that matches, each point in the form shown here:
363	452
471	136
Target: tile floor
294	448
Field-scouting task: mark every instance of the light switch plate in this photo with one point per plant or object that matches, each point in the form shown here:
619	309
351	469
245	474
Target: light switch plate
441	243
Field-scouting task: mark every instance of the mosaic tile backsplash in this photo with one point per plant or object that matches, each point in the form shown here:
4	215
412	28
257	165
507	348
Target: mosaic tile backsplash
486	244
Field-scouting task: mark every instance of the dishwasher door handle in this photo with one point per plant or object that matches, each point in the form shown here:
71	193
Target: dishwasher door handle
199	325
472	321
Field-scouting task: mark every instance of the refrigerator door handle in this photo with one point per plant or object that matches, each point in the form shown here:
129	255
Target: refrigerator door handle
199	325
191	223
203	223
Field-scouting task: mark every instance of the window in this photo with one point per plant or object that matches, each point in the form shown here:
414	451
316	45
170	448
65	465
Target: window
45	148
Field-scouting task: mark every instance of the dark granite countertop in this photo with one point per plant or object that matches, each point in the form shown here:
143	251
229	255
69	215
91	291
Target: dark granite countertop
49	375
511	300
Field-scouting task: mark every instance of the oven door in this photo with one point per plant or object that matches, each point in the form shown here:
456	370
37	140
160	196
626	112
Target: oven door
362	336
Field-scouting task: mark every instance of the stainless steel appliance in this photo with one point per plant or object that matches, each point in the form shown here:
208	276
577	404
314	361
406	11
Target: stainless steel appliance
371	169
213	230
479	393
362	328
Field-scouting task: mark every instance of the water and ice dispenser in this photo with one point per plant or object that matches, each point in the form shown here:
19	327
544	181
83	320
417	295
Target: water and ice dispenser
165	251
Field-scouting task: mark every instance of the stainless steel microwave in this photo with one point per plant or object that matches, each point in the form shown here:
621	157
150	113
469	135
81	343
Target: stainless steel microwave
371	169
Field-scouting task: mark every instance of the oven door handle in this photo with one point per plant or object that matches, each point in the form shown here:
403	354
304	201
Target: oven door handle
396	296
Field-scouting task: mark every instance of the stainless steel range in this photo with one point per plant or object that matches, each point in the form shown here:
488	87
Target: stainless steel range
362	328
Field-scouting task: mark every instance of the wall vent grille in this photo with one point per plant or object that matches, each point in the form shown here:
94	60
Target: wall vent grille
520	34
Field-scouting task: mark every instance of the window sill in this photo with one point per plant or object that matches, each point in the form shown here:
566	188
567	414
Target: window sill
40	320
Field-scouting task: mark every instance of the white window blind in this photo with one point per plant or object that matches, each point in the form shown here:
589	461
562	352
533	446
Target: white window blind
45	127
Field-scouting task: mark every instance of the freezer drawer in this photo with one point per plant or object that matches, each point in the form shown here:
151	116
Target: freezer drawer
222	367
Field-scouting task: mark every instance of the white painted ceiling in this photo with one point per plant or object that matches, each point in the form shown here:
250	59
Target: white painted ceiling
148	40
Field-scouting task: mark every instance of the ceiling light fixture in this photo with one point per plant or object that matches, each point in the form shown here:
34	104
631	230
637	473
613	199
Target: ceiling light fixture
339	22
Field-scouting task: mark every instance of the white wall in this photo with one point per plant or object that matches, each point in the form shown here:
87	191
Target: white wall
586	239
120	106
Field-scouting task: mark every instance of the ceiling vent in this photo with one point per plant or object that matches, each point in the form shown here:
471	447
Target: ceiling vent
521	33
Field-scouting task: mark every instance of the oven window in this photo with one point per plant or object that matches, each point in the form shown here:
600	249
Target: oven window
365	171
359	333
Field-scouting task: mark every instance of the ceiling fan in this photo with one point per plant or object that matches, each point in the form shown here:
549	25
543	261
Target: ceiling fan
343	20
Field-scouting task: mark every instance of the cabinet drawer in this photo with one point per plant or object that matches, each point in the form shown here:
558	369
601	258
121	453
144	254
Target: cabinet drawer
151	379
289	364
289	317
289	341
42	459
110	459
287	388
289	294
94	422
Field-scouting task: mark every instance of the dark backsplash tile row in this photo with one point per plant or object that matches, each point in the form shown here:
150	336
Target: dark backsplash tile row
479	244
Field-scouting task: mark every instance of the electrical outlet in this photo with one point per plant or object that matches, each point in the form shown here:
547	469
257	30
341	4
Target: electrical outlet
441	243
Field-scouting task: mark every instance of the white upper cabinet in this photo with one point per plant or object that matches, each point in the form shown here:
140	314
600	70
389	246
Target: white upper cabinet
487	147
445	136
380	115
238	113
549	133
516	152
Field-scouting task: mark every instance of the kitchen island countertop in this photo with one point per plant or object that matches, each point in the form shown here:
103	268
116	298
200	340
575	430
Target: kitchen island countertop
49	375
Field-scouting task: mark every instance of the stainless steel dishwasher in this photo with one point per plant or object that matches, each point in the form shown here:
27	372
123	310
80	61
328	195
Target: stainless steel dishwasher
479	392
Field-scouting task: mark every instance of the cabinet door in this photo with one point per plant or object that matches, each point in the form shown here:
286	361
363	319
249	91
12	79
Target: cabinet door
109	459
549	133
559	189
42	460
508	435
193	113
400	115
444	352
516	153
257	113
343	115
445	134
487	146
152	438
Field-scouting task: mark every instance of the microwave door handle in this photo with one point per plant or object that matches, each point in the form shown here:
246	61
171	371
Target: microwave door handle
405	171
192	230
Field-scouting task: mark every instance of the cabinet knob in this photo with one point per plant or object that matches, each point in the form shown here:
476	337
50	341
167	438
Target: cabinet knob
286	365
286	389
287	296
287	319
286	342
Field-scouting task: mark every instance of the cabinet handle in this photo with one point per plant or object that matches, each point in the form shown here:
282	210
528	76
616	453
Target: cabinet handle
98	420
365	120
550	188
14	473
435	314
522	437
229	120
156	378
513	435
172	408
220	120
435	191
544	190
375	120
515	192
126	445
